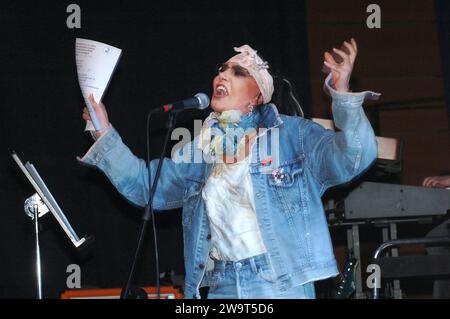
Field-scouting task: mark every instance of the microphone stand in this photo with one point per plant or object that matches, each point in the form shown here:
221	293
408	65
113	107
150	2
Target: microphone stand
129	291
38	252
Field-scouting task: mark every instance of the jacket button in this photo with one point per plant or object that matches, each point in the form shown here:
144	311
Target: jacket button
208	237
201	266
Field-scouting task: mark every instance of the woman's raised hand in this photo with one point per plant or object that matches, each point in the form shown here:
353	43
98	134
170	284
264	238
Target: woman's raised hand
102	116
341	72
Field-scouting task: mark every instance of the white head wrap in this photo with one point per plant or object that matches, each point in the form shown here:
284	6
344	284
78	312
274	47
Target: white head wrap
249	59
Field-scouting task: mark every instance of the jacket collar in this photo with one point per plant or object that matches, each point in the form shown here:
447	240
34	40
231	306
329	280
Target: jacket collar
270	117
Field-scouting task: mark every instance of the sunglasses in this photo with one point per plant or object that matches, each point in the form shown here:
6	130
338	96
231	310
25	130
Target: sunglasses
237	69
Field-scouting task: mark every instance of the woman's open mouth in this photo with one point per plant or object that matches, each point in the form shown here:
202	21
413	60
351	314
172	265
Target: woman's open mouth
220	91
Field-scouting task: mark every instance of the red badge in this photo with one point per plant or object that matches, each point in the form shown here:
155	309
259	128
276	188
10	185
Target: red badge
266	161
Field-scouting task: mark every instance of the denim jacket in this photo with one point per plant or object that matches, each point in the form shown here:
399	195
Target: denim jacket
287	197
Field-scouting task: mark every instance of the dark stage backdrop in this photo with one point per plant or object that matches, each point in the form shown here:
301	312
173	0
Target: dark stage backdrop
443	14
170	50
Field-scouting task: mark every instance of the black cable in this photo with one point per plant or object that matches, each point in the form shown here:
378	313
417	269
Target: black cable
147	213
299	109
152	189
150	203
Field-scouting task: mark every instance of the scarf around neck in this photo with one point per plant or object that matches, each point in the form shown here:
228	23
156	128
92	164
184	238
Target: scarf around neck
223	133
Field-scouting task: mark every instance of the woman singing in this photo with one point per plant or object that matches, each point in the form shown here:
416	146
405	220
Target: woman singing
253	221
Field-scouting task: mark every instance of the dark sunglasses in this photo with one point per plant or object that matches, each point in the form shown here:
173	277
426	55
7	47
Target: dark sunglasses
237	69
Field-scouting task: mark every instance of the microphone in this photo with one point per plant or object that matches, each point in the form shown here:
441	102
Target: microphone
199	101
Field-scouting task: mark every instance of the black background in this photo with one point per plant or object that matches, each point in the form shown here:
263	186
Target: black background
170	50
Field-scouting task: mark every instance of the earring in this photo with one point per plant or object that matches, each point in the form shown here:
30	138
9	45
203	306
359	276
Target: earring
250	108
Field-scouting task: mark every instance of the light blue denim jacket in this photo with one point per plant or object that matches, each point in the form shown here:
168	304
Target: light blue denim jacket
289	210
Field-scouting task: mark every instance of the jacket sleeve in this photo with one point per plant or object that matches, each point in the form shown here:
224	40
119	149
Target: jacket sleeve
129	174
338	157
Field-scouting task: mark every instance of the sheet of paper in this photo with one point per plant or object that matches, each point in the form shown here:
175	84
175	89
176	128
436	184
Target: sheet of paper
95	62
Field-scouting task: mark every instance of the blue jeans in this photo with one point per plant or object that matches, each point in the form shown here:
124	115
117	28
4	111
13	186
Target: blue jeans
250	278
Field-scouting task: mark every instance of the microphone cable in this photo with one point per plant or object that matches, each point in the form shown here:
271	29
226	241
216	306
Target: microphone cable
150	187
148	211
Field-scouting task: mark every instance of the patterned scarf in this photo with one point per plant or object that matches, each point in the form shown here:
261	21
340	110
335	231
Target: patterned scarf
222	133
